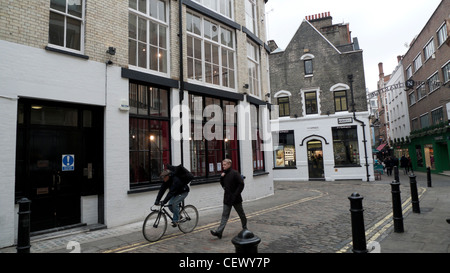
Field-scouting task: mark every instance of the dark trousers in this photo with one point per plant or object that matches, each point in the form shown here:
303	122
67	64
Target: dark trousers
226	214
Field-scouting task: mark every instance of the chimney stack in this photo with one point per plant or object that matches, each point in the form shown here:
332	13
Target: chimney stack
380	68
317	16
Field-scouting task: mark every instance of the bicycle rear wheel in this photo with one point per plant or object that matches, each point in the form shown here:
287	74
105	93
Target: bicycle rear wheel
188	219
155	225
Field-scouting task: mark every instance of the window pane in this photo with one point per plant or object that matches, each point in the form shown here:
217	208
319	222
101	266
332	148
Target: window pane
142	56
143	6
58	5
153	58
73	34
56	29
142	30
142	100
132	26
163	37
162	11
132	52
75	8
308	67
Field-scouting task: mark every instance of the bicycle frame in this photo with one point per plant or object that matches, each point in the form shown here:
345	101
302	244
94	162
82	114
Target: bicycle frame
163	210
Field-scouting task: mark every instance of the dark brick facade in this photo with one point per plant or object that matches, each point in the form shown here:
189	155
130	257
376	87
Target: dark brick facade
332	64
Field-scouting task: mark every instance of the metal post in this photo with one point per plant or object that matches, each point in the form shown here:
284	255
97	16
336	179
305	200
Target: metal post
396	176
429	177
414	194
397	207
357	216
23	236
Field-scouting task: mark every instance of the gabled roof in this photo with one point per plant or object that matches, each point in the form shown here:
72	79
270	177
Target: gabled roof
328	41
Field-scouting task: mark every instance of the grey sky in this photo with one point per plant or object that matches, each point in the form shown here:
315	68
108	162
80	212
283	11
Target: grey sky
383	27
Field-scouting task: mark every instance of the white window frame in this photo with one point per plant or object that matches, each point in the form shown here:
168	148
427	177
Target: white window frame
413	94
446	73
251	16
302	92
409	72
223	7
442	34
433	87
82	28
254	75
149	18
418	62
429	49
232	82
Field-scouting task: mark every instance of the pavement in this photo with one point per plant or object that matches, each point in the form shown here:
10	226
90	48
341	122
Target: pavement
301	217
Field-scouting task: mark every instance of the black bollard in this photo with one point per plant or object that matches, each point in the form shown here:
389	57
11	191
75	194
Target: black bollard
358	230
397	207
396	176
23	236
414	194
429	177
246	242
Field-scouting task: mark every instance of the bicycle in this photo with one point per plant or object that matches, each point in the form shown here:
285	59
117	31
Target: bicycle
155	224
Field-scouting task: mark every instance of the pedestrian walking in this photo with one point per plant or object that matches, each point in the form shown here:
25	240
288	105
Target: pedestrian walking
389	165
404	164
233	184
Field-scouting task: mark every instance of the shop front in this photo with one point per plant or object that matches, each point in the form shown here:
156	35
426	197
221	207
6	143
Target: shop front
430	151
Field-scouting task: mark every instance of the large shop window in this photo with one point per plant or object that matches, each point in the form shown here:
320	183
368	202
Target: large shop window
149	134
284	152
345	145
213	135
257	142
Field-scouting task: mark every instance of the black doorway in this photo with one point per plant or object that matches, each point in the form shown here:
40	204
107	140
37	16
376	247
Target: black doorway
59	159
315	160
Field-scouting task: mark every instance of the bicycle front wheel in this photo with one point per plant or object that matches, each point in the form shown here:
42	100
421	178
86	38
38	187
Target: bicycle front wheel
188	219
155	225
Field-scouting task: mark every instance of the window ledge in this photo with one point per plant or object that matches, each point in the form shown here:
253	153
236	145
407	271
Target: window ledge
66	52
348	166
156	187
260	173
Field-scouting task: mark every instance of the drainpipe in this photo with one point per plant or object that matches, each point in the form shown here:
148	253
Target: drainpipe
363	125
181	89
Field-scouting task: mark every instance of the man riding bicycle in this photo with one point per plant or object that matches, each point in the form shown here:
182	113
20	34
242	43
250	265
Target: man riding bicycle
178	191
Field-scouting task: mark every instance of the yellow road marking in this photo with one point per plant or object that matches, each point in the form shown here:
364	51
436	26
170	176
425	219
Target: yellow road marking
207	226
386	226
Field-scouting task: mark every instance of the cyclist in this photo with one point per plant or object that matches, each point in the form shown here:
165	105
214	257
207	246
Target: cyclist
177	193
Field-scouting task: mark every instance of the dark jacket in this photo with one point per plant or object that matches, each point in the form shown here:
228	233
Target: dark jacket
175	187
233	185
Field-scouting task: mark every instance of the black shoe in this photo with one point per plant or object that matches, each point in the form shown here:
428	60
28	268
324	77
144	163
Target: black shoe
448	220
174	224
217	234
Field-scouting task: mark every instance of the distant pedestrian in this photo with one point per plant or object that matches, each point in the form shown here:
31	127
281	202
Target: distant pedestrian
404	164
233	184
389	165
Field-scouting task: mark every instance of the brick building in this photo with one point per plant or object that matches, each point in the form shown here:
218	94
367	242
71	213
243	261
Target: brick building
321	136
427	75
90	96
